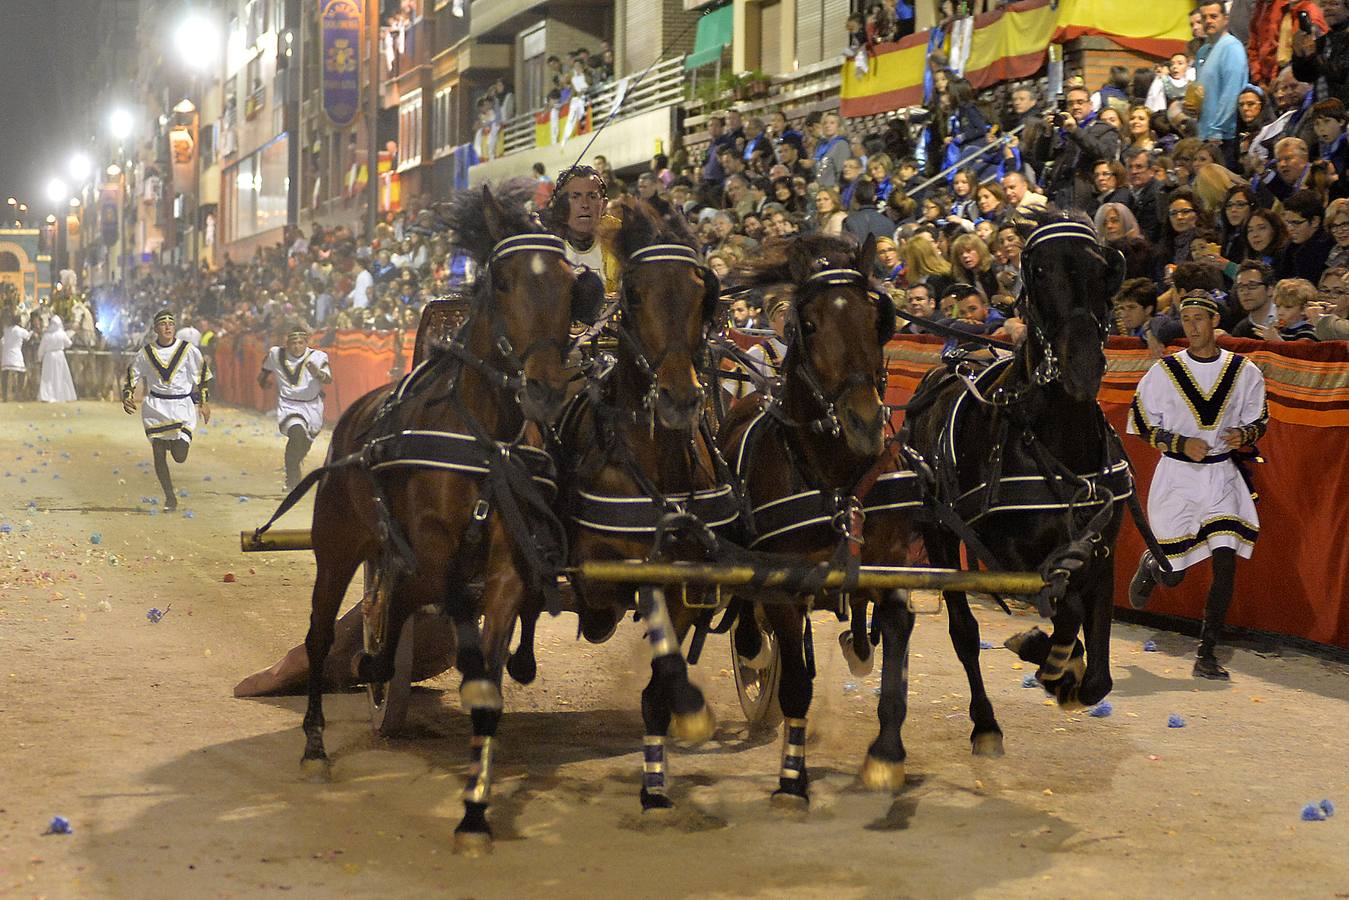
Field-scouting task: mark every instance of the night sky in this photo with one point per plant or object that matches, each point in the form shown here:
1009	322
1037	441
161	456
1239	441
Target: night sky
43	44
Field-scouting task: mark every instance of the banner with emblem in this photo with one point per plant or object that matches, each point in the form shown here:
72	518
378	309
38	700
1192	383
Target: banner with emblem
341	24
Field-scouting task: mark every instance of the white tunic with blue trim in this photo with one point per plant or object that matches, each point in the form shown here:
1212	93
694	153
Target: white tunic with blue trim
173	376
1194	508
299	397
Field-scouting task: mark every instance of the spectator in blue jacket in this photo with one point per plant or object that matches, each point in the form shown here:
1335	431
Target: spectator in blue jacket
1223	72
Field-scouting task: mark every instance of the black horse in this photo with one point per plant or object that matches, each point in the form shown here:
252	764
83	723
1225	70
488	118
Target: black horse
1021	453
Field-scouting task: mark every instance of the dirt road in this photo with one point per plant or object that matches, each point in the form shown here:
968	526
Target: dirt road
174	789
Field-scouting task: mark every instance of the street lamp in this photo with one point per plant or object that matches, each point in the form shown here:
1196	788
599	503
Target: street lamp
57	192
80	168
197	41
120	124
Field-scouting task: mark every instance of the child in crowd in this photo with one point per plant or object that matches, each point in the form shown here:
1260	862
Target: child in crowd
1291	297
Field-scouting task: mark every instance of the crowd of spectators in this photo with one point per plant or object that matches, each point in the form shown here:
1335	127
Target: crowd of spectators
1221	169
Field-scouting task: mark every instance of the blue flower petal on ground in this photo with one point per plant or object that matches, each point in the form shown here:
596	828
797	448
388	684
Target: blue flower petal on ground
95	538
1327	807
1149	646
985	645
59	825
1312	813
189	514
1175	721
1029	682
6	528
1101	710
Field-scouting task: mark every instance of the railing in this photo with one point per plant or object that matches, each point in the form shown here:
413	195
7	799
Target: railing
663	85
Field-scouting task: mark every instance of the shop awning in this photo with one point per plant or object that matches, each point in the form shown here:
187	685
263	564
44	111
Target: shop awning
715	30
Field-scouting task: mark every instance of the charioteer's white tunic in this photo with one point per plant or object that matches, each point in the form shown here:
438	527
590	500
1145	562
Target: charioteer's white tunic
1194	508
174	376
299	392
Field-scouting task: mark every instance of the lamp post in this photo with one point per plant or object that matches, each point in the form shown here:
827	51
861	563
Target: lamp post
121	123
59	196
198	42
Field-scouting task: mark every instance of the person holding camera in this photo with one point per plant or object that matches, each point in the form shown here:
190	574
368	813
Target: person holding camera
1270	20
1324	56
1076	140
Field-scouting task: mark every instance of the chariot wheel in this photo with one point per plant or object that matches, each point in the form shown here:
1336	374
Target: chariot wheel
756	680
388	699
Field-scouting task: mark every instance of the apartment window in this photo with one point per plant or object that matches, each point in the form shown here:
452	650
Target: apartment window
533	53
256	190
442	128
410	131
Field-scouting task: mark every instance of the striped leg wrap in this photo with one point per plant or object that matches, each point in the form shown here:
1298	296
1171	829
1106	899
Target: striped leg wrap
659	629
653	763
1054	663
793	748
479	785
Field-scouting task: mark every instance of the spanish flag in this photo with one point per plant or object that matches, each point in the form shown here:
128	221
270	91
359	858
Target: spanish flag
1011	43
557	125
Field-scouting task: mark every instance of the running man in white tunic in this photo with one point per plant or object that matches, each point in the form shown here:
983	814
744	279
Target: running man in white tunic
176	383
301	373
1200	407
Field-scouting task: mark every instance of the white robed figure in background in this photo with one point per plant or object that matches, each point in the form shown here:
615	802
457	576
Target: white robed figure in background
56	385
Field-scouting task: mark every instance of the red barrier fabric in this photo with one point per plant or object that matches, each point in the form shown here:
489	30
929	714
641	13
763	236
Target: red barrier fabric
1297	580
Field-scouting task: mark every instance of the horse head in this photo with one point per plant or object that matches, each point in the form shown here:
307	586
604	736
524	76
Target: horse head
1070	278
837	326
667	303
527	295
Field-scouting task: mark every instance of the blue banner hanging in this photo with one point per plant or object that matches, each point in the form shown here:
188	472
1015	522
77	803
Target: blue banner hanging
340	22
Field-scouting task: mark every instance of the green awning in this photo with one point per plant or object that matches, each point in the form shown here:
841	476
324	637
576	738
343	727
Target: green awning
715	31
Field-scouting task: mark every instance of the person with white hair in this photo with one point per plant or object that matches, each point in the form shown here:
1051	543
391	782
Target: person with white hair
56	385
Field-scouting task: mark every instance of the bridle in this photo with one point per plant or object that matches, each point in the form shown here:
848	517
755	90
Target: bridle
1040	333
828	422
511	377
647	363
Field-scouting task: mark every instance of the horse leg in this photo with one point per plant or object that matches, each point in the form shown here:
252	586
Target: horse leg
855	642
481	657
521	665
986	737
691	719
883	769
795	691
330	586
1099	599
480	695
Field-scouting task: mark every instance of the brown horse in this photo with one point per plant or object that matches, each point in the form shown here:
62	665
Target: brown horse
423	476
823	485
639	467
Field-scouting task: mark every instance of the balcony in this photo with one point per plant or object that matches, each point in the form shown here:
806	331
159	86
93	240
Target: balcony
638	118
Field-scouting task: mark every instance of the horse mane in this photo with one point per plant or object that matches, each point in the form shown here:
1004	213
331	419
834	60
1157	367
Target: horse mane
465	213
784	260
633	224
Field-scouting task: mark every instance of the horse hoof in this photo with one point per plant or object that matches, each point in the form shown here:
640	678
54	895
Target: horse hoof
987	743
316	771
693	728
788	802
860	668
656	806
473	844
521	668
880	775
